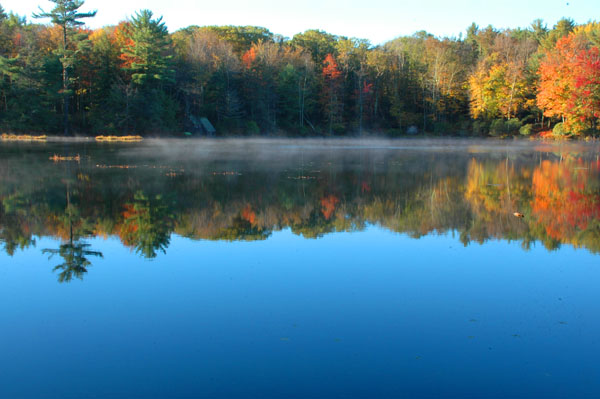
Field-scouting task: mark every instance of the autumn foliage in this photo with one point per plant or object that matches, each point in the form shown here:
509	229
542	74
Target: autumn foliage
564	200
136	77
570	83
330	69
328	205
249	57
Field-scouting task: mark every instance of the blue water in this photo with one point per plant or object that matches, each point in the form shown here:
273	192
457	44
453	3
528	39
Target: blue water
364	314
320	269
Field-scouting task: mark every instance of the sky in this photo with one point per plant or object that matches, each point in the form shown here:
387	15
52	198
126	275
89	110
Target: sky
376	20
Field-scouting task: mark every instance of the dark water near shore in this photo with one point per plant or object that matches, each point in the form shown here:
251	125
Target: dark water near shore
300	269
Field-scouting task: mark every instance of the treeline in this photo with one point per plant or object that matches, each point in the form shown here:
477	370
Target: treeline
137	78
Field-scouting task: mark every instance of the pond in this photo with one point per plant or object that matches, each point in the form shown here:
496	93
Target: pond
316	268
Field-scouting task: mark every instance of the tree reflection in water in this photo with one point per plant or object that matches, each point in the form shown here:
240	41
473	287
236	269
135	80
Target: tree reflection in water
474	195
75	263
75	251
147	224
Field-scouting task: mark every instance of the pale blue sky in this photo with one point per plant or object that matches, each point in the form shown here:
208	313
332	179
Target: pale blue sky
376	20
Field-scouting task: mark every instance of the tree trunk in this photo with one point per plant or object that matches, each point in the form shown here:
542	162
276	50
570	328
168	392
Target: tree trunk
65	77
360	105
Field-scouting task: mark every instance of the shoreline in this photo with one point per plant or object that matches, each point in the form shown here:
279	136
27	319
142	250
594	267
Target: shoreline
8	138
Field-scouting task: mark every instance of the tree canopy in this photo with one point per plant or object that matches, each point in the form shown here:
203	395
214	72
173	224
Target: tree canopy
136	77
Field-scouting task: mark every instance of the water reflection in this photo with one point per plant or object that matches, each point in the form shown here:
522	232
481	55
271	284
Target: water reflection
72	228
75	261
144	199
147	224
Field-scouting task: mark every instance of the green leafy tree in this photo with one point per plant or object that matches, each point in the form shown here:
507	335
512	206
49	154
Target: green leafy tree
207	78
240	37
317	42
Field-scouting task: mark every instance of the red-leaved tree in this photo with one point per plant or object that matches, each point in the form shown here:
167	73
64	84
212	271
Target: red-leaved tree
570	83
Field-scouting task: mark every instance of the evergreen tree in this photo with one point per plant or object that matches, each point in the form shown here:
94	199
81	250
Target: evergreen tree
148	51
148	59
66	15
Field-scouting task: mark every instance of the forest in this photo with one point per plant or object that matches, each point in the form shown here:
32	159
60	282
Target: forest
61	78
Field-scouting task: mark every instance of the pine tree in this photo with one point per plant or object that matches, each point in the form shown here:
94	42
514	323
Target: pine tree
65	14
148	49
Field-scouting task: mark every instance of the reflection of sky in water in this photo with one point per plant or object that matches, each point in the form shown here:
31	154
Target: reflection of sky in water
367	313
364	310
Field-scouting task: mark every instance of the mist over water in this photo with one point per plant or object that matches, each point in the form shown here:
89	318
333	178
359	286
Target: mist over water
300	268
271	148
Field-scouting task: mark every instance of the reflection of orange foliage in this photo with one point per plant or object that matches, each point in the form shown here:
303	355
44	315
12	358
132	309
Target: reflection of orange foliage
563	201
328	205
365	187
129	211
487	190
100	231
58	228
128	227
249	215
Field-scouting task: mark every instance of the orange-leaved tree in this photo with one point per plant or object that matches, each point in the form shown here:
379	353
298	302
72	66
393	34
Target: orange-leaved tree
570	83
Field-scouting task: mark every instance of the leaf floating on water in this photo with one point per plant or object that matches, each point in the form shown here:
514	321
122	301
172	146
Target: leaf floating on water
473	320
516	336
519	214
563	322
284	339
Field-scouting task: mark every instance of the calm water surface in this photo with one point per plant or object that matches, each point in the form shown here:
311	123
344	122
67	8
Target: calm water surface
300	269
